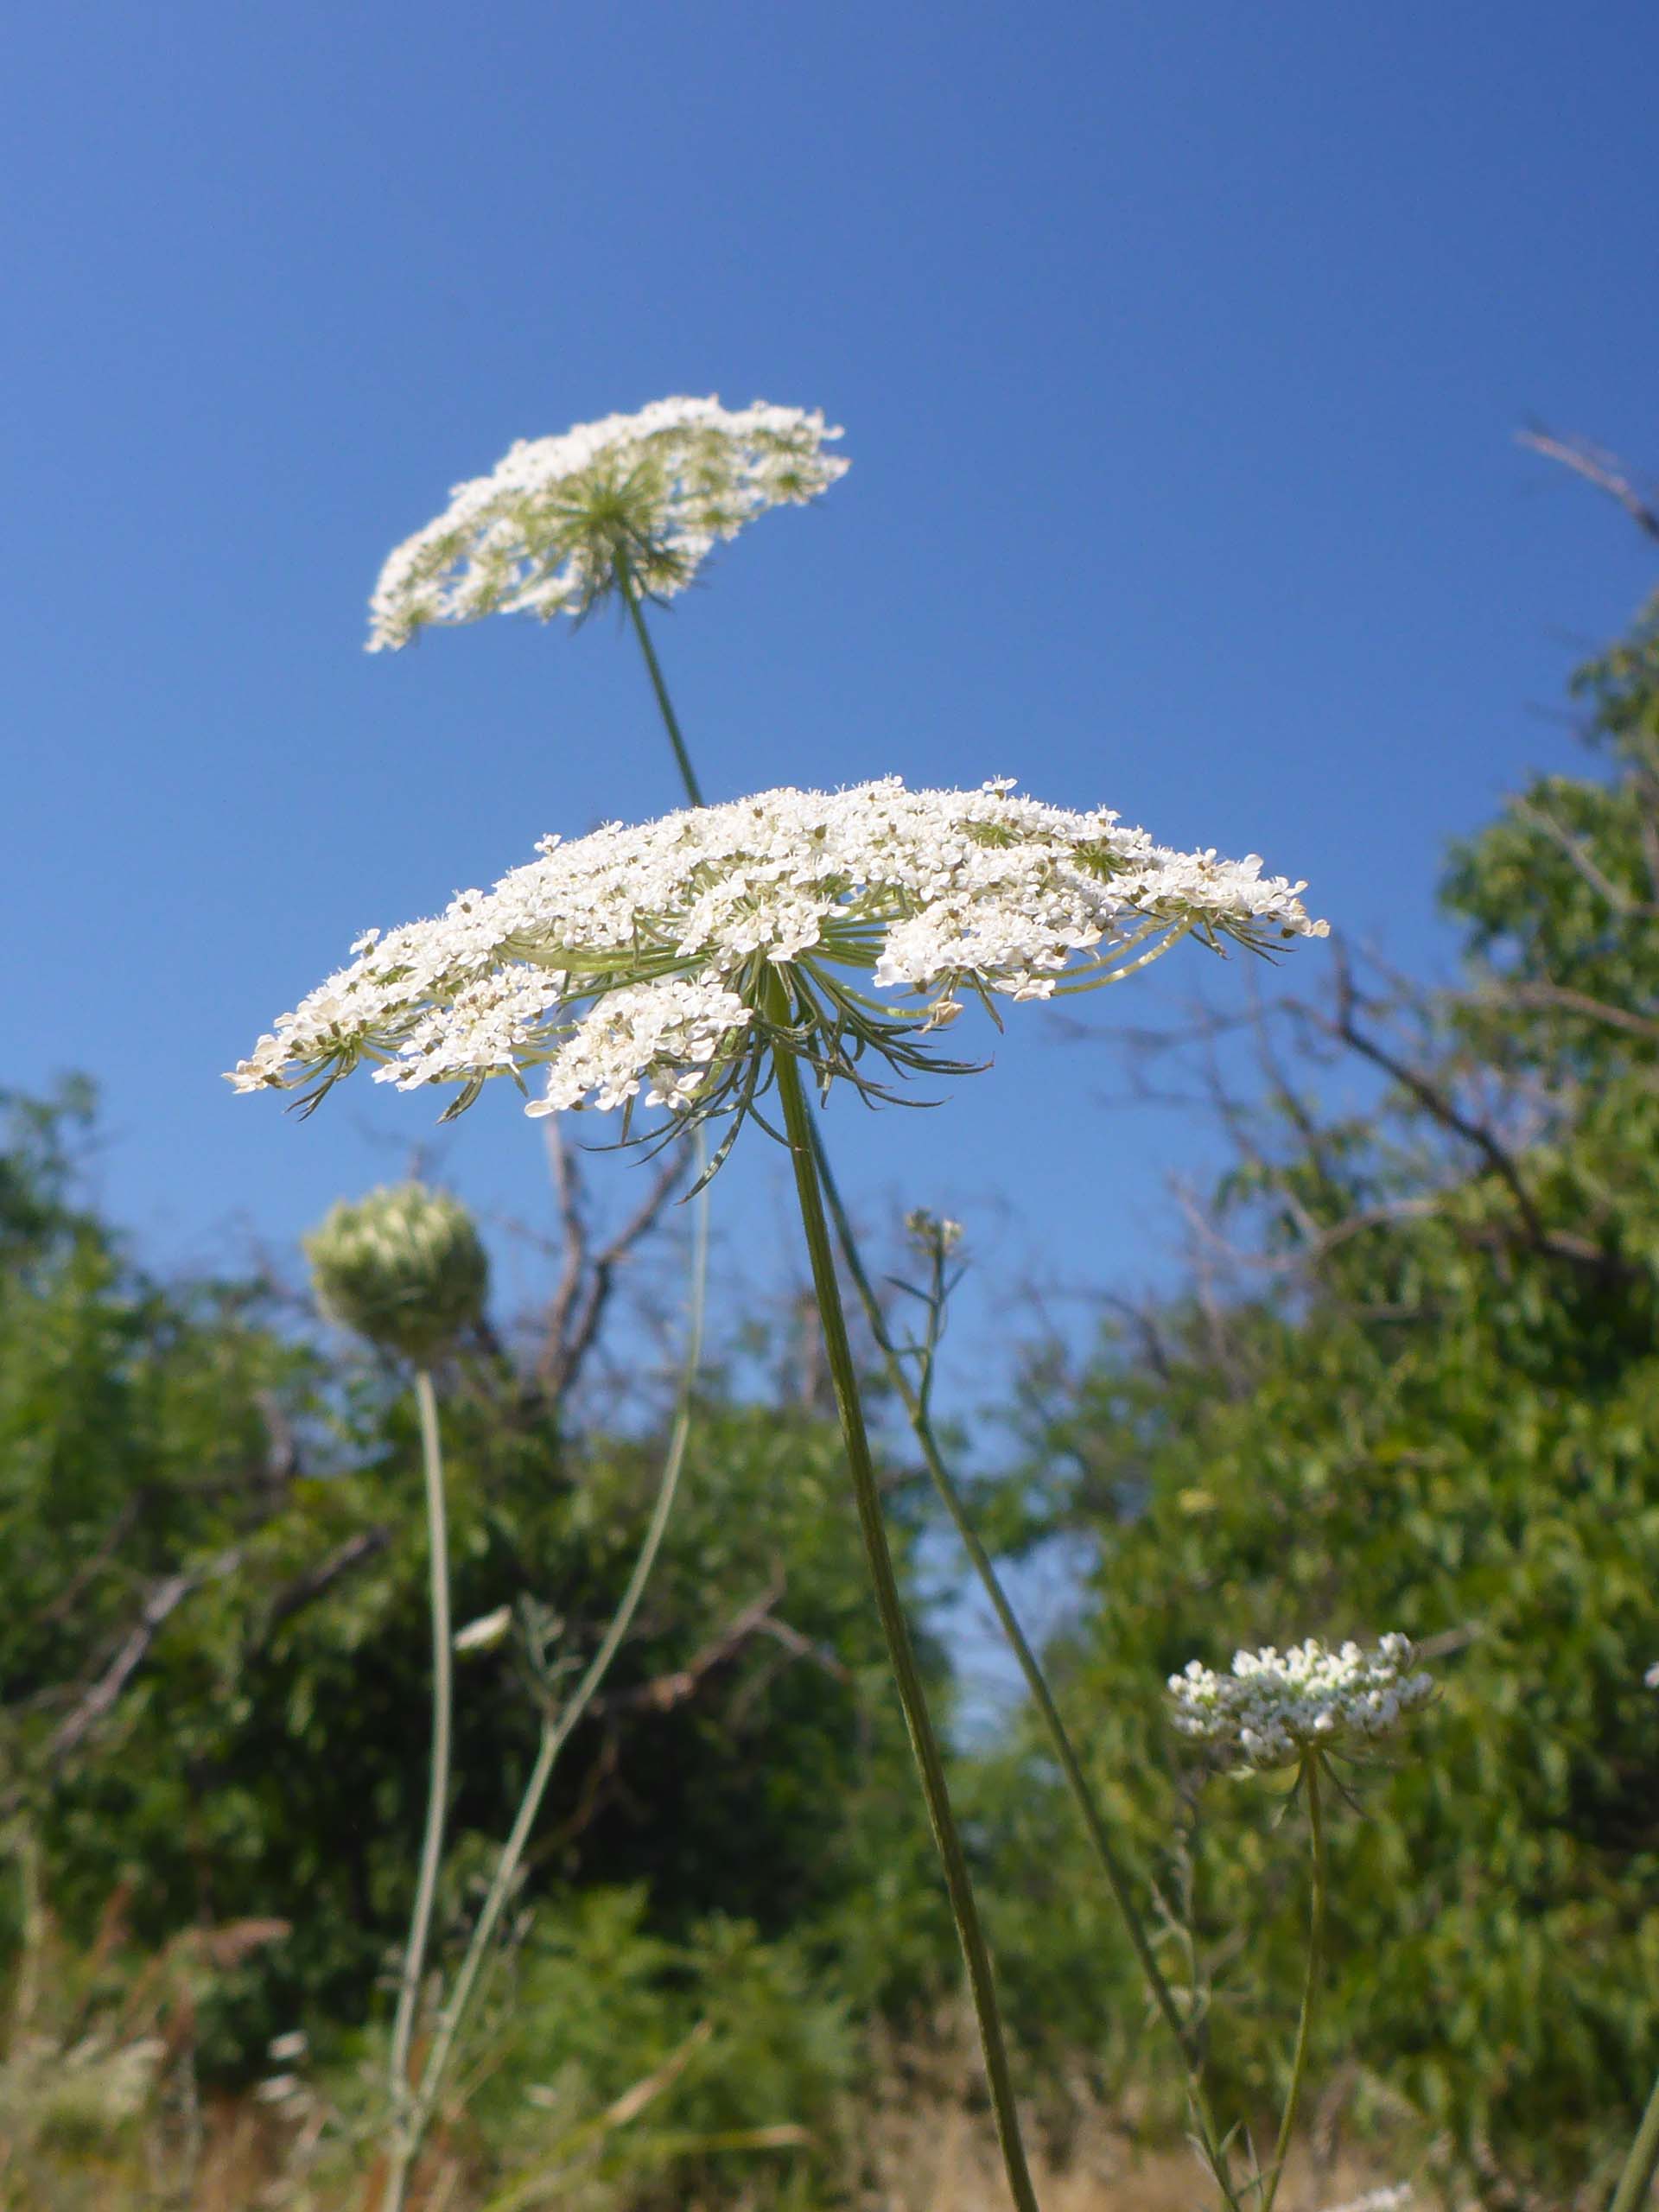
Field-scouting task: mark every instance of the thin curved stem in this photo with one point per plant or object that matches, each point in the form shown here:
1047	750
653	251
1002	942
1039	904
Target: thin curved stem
1093	1819
907	1674
1631	2194
438	1801
556	1730
636	613
1309	1984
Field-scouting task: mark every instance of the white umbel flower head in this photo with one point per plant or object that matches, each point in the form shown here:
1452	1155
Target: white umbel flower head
670	960
1277	1707
552	528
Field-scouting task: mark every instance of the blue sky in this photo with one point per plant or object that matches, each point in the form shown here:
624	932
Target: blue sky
1179	351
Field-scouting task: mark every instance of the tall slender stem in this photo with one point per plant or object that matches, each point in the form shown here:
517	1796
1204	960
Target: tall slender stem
808	1154
908	1676
556	1730
1310	1980
631	599
420	1926
26	1987
1643	2164
1088	1806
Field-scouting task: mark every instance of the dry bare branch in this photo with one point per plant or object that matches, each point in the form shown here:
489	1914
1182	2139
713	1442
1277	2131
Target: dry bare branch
1577	850
588	1275
65	1601
306	1588
663	1692
163	1603
1605	470
1541	997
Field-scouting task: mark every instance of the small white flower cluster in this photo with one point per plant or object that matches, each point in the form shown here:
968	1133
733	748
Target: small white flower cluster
544	532
486	1632
933	1233
644	958
1277	1706
1390	2198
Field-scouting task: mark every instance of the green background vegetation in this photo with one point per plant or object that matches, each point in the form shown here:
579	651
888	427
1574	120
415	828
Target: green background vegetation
1412	1383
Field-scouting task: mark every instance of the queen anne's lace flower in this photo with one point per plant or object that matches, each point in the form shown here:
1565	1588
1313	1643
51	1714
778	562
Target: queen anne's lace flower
1277	1706
549	529
666	958
403	1267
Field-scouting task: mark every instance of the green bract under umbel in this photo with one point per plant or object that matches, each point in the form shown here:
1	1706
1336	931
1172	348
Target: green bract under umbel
403	1268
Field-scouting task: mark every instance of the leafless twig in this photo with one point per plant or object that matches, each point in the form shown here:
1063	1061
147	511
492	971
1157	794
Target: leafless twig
1577	850
587	1274
1543	996
663	1692
306	1588
1605	470
159	1607
67	1598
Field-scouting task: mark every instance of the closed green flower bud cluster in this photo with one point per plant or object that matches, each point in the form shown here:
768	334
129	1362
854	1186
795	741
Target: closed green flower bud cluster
403	1268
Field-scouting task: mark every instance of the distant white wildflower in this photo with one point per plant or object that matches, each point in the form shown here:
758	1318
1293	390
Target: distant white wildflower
549	530
1277	1706
1389	2198
279	2089
1651	1678
933	1233
294	2045
486	1631
670	959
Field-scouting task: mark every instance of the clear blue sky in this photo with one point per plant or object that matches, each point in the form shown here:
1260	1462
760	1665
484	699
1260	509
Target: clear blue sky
1179	348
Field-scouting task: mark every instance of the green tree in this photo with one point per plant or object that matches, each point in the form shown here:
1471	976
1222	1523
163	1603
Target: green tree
212	1635
1424	1397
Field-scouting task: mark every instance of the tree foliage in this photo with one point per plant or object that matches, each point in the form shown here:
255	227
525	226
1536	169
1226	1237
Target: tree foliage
1416	1387
214	1640
1413	1384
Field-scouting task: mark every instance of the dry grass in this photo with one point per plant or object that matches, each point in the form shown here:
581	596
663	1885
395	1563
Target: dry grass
938	2159
99	2113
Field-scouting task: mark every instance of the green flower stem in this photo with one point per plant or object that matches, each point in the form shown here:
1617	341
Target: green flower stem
921	1425
420	1926
907	1675
25	1843
1632	2194
556	1730
631	600
1088	1806
1309	1985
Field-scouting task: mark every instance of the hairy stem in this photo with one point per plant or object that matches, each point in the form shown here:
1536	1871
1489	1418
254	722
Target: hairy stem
556	1729
1309	1984
1643	2162
1089	1810
908	1676
420	1926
